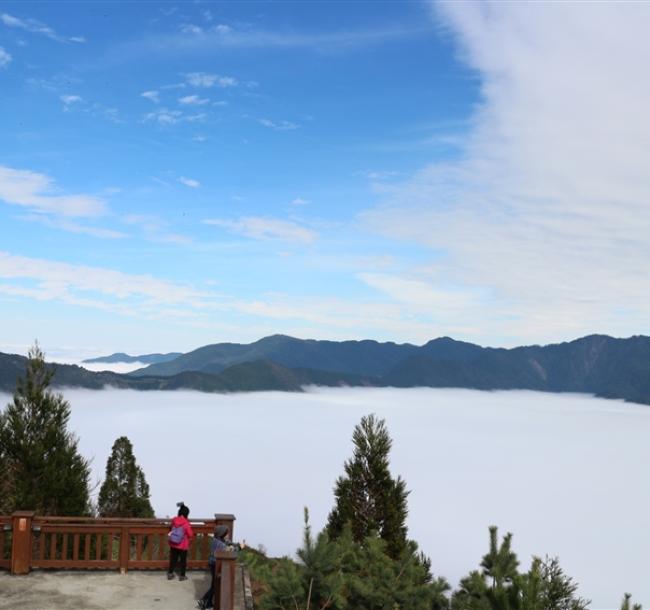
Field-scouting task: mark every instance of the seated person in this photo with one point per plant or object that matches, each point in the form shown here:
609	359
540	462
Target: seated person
220	542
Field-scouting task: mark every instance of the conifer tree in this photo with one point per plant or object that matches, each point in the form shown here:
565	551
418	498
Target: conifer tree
500	563
45	471
367	497
625	604
125	492
6	482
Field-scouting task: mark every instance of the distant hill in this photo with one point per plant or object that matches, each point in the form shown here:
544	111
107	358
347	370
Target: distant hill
597	364
368	358
245	377
144	358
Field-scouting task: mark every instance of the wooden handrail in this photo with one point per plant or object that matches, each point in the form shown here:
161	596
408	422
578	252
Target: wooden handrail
102	543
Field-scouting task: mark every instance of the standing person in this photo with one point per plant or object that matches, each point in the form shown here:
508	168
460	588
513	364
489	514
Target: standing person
179	541
220	542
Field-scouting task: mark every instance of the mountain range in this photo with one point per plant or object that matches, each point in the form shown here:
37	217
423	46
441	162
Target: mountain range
596	364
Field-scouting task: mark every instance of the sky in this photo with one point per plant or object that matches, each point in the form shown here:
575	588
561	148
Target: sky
174	174
566	474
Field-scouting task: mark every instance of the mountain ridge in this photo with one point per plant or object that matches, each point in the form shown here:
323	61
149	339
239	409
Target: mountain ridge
596	364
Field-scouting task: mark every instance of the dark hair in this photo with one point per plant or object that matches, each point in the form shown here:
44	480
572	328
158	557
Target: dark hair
221	531
183	511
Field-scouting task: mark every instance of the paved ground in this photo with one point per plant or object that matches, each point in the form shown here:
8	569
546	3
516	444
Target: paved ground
43	590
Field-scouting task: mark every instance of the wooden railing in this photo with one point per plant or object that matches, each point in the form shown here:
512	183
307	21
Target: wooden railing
31	542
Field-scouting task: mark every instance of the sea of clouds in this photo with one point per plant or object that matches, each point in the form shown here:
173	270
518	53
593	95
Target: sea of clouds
567	474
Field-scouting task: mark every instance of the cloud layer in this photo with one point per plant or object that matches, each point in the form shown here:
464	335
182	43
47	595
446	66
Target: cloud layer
565	473
548	210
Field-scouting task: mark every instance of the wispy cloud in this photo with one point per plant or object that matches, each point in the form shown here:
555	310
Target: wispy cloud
96	109
190	28
206	80
189	182
154	96
547	211
278	125
98	287
69	100
378	174
156	229
299	201
70	226
164	117
5	58
37	27
38	192
257	227
193	100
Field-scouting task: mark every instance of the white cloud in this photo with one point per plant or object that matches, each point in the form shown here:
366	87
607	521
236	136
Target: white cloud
222	29
190	28
97	287
548	210
189	182
37	27
419	295
258	227
38	193
206	80
379	175
74	227
453	429
156	229
69	100
299	201
193	100
5	58
154	96
165	117
278	125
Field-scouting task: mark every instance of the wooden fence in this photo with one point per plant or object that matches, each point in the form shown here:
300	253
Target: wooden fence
29	542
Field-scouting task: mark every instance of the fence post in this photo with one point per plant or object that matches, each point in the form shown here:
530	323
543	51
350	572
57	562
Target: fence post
125	549
224	593
21	541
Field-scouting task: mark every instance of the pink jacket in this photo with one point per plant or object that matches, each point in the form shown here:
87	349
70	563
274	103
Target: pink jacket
184	544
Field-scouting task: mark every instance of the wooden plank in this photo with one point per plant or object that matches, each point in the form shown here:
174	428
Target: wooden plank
87	547
64	546
52	546
138	547
125	542
98	547
75	547
80	564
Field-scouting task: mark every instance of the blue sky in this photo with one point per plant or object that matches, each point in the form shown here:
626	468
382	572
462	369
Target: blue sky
180	173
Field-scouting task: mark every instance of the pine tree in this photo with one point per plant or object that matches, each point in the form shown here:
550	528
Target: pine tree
125	492
7	492
367	497
500	563
47	473
625	604
558	591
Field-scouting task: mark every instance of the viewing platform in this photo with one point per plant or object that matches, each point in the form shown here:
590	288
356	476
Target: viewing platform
57	563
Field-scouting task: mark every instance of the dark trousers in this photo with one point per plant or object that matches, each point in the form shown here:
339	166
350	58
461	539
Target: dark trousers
177	556
208	598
